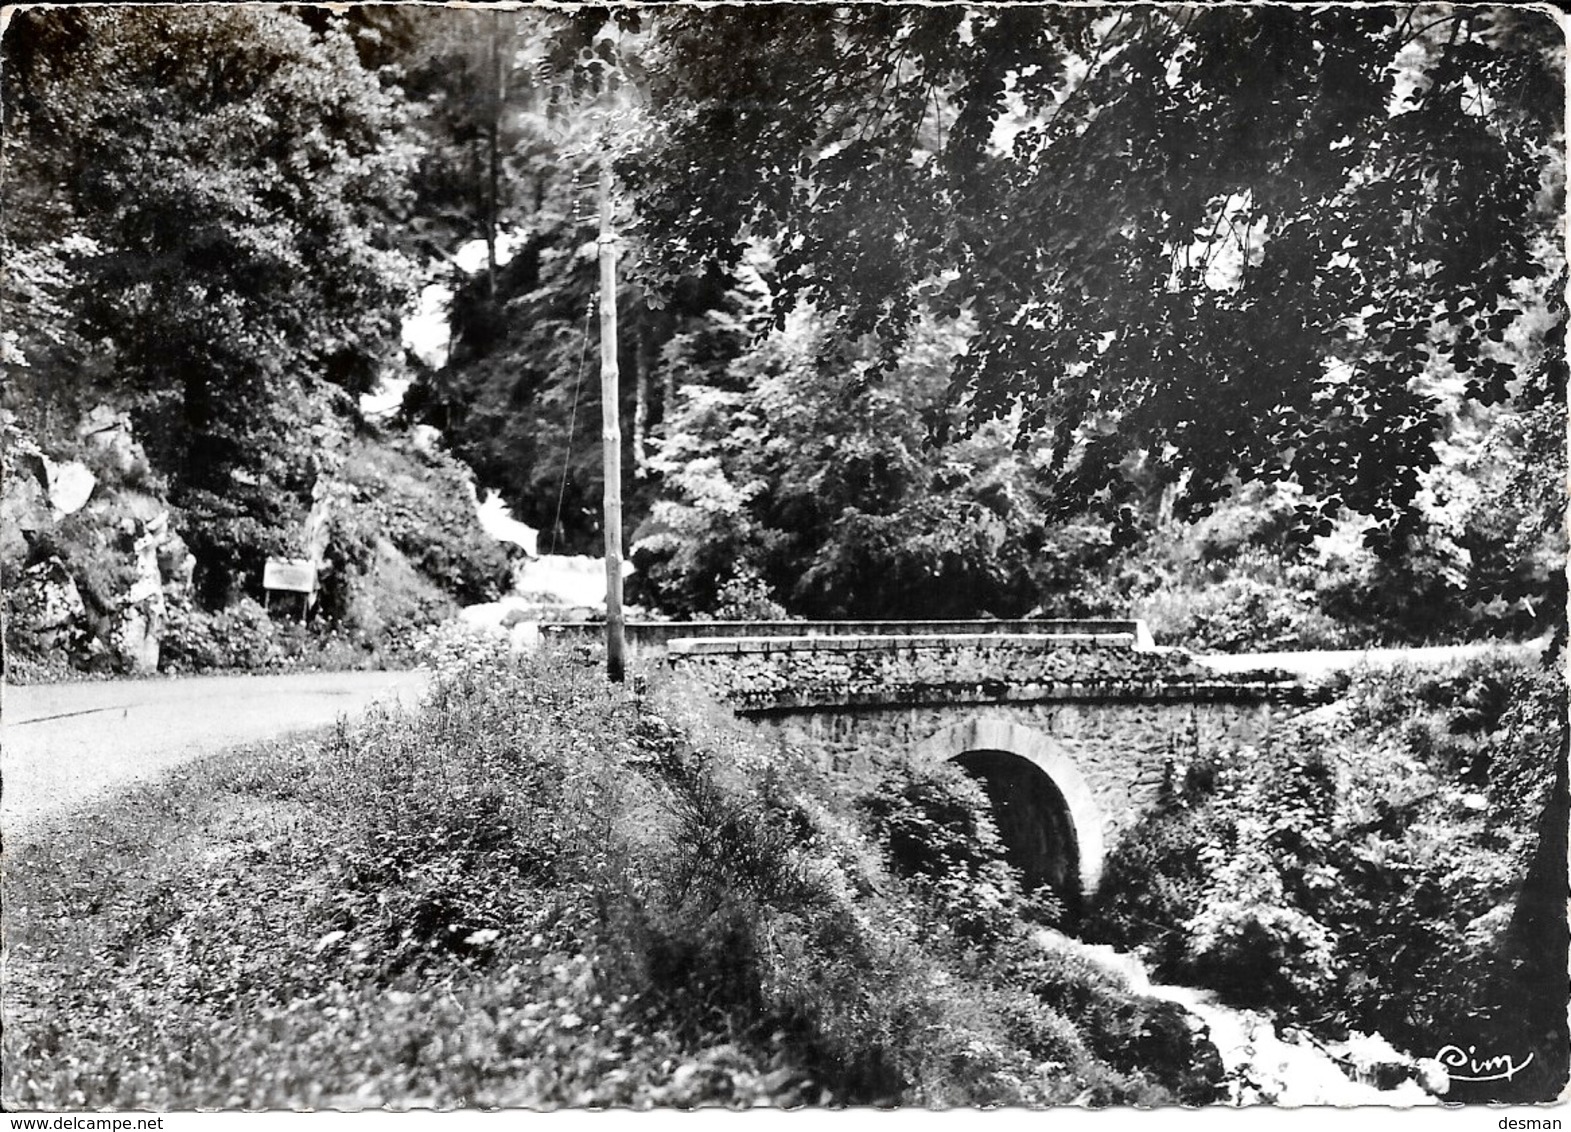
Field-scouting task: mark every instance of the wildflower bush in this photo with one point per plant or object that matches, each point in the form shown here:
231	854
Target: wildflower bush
746	597
1369	870
454	650
537	890
242	636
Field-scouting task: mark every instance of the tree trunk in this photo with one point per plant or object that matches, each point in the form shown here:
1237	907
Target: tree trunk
667	393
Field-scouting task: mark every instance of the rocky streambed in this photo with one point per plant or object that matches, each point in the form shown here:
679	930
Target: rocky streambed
1269	1064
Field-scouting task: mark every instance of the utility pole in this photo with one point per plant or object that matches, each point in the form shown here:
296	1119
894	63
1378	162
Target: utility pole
610	433
493	204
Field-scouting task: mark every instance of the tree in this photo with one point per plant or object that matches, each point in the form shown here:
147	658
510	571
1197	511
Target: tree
792	463
209	192
1237	243
518	396
466	77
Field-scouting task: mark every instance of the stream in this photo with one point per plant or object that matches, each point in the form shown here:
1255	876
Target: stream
1265	1066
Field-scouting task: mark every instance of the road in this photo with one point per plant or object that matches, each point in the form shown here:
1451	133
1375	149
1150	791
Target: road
61	744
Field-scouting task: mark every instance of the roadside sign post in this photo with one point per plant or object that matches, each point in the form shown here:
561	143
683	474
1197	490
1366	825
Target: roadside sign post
290	575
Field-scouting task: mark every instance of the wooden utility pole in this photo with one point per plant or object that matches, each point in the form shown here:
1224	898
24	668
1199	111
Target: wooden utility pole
610	433
493	204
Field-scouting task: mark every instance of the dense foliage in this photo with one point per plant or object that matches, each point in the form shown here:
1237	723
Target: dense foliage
937	828
782	464
1231	582
1366	871
1005	297
535	892
1231	242
208	215
1188	249
219	264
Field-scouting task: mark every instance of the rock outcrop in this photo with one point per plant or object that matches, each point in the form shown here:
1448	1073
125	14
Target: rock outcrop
68	485
90	555
47	611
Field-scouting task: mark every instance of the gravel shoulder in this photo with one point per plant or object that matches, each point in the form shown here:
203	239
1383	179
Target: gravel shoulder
63	744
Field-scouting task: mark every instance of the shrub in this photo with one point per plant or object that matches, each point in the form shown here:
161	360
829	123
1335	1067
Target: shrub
422	501
1251	939
1154	880
1240	613
746	597
242	636
1136	1035
936	825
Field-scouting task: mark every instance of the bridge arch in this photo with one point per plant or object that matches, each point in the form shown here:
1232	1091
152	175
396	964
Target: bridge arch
1056	801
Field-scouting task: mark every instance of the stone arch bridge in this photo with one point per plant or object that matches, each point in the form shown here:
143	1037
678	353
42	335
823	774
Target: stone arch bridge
1071	726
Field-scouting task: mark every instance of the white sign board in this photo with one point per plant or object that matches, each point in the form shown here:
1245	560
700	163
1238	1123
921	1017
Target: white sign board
297	575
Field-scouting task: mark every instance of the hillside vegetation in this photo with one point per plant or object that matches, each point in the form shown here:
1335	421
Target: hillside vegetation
187	333
1390	862
970	359
538	891
104	580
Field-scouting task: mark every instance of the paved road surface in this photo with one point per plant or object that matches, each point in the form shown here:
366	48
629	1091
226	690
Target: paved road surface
63	743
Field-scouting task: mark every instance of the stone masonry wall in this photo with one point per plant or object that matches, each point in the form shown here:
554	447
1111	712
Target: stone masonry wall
652	638
1122	713
766	674
1121	749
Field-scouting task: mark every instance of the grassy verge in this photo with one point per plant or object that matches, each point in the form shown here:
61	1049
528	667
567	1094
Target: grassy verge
537	892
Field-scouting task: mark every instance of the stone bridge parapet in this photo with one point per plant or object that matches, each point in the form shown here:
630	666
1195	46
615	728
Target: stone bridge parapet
760	674
653	638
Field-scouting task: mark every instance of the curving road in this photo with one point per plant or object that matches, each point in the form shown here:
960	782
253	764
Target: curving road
61	744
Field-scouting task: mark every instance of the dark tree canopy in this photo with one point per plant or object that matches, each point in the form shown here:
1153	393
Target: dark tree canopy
1167	251
1232	242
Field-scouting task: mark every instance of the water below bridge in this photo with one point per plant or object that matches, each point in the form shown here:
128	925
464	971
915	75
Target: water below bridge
1269	1065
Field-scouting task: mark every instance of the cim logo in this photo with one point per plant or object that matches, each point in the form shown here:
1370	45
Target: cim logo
1468	1066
